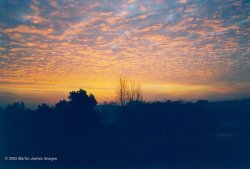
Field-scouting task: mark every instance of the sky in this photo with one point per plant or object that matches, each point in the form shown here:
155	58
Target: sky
177	49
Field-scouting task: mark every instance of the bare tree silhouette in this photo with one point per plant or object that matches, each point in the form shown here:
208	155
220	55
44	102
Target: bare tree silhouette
121	94
134	92
127	93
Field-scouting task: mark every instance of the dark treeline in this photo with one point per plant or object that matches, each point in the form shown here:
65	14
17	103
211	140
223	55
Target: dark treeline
81	133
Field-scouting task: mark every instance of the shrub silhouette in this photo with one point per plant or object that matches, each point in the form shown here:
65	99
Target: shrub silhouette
80	101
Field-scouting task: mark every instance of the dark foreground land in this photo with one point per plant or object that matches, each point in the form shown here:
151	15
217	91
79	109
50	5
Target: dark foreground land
172	134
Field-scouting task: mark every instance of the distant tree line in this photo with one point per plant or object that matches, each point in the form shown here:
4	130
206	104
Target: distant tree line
137	134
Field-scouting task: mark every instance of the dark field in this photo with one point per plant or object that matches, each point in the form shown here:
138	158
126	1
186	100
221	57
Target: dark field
171	134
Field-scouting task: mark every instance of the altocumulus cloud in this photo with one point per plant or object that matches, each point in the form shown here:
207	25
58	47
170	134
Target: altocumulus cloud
183	42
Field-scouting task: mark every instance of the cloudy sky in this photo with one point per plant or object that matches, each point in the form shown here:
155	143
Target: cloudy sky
177	49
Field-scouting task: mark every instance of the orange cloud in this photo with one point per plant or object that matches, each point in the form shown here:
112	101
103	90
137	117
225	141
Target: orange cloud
28	29
182	1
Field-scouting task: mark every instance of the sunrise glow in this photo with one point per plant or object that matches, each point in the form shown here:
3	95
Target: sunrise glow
186	49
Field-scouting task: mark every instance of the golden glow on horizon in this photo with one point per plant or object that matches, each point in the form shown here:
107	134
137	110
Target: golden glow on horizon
104	91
